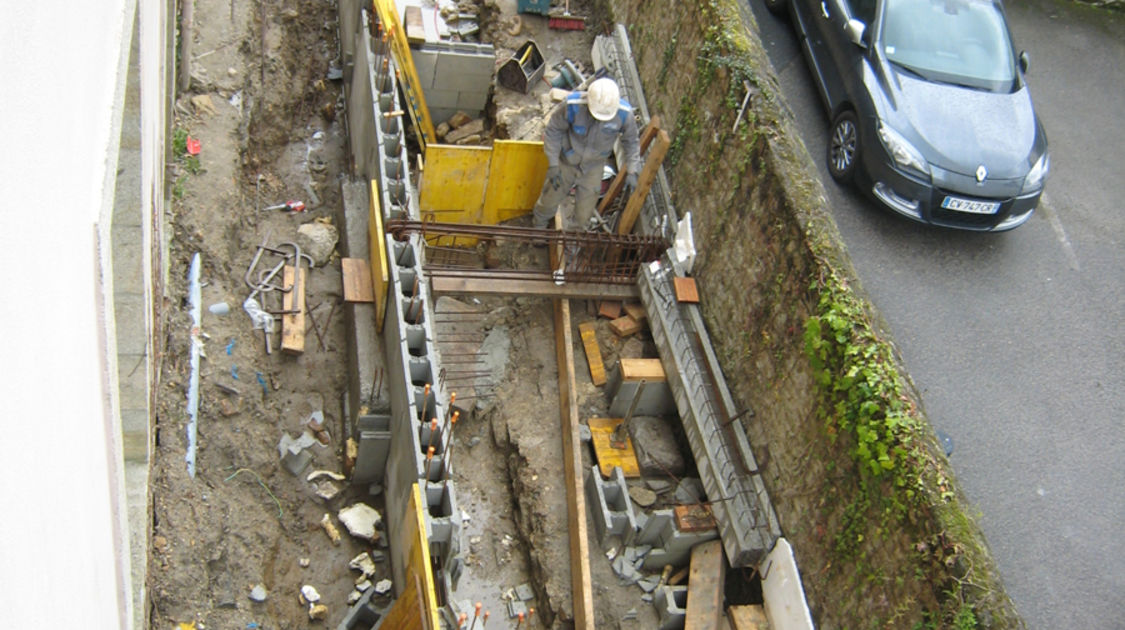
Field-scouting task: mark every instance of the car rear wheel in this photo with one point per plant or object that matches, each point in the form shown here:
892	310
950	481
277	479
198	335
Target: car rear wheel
843	147
776	7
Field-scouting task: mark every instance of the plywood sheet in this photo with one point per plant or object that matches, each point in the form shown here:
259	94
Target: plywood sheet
453	183
515	178
602	431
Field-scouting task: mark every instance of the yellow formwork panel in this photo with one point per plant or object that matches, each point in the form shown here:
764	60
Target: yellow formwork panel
407	76
453	183
417	605
515	178
377	245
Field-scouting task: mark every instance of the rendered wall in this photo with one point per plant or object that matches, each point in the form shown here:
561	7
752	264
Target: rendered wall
766	244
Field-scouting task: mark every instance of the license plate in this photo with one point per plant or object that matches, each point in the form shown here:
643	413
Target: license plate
967	205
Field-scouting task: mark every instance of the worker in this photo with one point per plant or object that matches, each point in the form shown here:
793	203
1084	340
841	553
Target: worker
579	138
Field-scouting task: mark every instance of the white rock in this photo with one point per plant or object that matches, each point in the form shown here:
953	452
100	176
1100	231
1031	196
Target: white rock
304	562
363	585
310	594
258	593
383	586
360	519
363	563
353	597
318	240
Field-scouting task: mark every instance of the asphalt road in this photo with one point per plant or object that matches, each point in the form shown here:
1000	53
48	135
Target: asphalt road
1017	340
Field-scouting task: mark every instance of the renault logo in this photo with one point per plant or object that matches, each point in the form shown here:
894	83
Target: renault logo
982	172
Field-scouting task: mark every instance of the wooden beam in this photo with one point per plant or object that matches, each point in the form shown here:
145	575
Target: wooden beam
685	289
751	617
644	182
588	331
705	586
649	370
581	595
544	287
293	324
618	183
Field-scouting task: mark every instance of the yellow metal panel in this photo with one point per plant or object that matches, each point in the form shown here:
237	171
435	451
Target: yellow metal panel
408	76
601	429
514	181
377	245
453	183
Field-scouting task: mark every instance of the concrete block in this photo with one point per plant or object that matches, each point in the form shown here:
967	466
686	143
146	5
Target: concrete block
671	606
356	202
653	527
655	399
425	64
373	435
610	504
442	99
472	101
363	615
676	548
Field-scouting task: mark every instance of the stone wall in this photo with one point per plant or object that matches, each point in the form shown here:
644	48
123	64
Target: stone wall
765	242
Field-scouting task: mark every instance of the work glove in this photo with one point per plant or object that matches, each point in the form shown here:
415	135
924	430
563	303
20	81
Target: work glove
630	183
554	175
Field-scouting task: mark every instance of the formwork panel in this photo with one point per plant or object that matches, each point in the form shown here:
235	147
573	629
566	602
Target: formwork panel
515	178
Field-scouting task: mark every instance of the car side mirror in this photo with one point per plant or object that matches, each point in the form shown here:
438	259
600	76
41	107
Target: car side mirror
1025	61
855	29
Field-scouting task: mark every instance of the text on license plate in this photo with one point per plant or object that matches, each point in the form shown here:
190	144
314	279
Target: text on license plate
966	205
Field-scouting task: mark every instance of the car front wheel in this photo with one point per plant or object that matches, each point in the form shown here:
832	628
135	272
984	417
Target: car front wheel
843	147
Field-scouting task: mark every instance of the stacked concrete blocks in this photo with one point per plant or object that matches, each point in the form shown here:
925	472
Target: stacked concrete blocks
609	502
455	76
670	544
746	521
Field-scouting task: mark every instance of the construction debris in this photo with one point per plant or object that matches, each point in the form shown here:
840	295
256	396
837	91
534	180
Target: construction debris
330	529
361	520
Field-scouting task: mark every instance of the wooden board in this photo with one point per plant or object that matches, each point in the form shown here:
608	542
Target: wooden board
653	162
686	291
377	244
602	431
649	370
588	331
293	324
415	30
750	617
625	326
581	594
609	309
618	183
705	586
357	280
696	517
636	311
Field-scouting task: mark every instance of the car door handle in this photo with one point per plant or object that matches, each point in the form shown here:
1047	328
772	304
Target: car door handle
824	10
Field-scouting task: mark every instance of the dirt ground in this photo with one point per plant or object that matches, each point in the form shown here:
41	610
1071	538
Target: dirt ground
269	119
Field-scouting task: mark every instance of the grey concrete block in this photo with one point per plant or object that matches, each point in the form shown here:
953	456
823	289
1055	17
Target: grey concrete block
425	64
671	606
128	276
655	399
676	549
374	443
132	336
462	75
472	101
610	504
653	526
442	99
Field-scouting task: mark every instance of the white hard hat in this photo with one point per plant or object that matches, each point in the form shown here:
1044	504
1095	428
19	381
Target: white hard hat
603	98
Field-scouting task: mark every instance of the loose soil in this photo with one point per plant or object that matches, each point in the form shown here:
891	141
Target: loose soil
270	122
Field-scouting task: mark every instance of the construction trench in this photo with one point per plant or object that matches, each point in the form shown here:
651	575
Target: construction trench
481	399
441	358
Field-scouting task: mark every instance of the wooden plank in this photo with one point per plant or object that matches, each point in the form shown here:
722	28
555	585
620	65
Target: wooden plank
644	182
601	429
377	245
649	370
696	517
357	280
686	291
625	326
705	586
580	584
415	30
647	135
609	309
544	287
636	310
589	335
293	324
750	617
